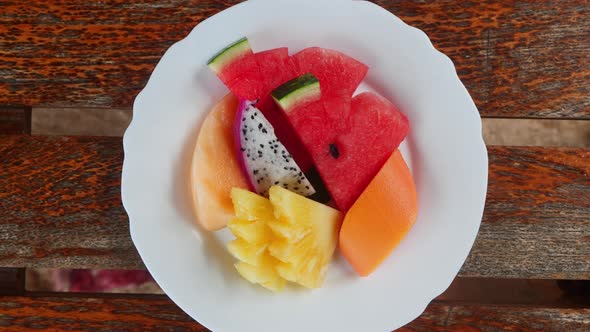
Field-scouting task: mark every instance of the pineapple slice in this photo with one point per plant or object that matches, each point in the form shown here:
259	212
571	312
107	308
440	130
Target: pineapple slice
264	273
253	236
251	231
250	253
306	236
250	206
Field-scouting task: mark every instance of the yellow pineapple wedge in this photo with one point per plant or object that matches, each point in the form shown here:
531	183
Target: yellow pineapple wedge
306	234
253	213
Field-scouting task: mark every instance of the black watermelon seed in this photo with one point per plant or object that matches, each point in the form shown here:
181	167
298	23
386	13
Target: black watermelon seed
296	188
252	117
299	181
276	182
334	151
260	126
264	130
262	146
255	172
306	187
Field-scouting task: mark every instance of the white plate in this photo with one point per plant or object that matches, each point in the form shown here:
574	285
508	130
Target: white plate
445	151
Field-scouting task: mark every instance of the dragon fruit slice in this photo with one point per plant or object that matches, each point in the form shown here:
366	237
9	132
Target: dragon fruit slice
262	157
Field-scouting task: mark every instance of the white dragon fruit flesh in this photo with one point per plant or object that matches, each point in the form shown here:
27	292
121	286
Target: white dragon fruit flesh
262	157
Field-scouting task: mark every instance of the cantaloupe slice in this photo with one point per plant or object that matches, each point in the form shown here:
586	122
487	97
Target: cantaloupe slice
215	170
381	217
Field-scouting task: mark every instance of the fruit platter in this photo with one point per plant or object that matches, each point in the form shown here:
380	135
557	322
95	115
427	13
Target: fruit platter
287	119
286	169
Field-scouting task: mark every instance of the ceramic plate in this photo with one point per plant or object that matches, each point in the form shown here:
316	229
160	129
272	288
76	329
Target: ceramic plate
445	152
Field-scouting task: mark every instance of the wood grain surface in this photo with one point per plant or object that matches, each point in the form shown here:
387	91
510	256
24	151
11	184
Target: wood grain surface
60	203
161	314
537	210
60	207
517	58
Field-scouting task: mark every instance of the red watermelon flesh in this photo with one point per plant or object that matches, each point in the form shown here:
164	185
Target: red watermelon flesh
349	145
338	73
285	133
237	68
254	76
244	78
275	66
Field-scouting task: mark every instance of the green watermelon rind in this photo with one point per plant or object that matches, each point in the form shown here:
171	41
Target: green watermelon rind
229	54
300	89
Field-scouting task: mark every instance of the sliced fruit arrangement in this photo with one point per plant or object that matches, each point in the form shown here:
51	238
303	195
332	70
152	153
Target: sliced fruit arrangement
253	76
293	131
289	238
263	158
343	141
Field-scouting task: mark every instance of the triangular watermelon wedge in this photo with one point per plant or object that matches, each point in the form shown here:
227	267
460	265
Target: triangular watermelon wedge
349	140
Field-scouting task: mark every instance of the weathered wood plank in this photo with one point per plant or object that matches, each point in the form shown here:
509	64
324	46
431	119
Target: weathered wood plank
518	58
93	314
60	203
159	313
537	211
449	317
60	207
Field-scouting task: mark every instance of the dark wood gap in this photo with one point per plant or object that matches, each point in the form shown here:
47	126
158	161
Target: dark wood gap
95	295
28	120
15	120
12	281
495	291
489	291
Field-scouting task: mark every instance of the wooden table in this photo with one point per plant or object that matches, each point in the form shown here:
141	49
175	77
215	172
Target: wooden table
60	195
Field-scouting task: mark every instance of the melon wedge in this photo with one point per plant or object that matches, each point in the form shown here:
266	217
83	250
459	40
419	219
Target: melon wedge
381	217
215	169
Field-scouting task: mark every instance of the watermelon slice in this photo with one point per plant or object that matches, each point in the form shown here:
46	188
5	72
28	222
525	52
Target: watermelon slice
338	73
237	68
253	76
349	142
